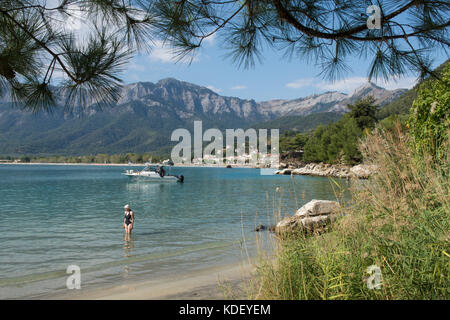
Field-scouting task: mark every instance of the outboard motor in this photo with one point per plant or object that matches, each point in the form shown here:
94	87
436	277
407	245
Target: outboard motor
180	178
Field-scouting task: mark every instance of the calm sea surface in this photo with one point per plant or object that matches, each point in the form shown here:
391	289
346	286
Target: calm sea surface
56	216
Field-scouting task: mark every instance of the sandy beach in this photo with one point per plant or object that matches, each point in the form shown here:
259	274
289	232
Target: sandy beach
214	283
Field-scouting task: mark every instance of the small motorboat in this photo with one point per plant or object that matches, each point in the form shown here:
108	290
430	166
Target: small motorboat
154	172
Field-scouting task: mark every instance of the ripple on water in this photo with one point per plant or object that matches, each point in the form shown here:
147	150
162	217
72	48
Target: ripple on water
60	215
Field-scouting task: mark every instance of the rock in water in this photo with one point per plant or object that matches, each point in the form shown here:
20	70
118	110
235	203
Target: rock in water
312	217
260	227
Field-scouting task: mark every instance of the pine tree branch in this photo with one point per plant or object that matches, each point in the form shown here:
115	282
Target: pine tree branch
285	15
202	37
41	44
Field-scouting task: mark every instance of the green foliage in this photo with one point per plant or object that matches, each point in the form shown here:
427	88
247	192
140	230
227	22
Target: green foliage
363	111
403	104
336	143
140	130
429	119
398	221
391	122
292	141
400	106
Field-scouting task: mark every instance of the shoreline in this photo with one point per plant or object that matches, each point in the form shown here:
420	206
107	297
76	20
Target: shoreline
127	165
212	283
359	171
73	164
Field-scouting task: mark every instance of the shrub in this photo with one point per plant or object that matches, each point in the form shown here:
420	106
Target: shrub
429	118
398	220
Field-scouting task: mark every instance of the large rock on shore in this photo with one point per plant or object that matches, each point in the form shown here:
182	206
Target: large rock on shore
323	170
312	217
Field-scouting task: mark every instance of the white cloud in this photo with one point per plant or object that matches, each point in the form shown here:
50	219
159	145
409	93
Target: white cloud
136	67
300	83
74	20
214	89
350	84
345	85
210	40
161	53
238	87
392	84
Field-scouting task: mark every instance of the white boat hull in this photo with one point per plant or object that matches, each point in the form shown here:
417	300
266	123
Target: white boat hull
154	173
151	177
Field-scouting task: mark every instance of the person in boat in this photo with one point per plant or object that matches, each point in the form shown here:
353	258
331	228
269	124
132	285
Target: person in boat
128	220
160	171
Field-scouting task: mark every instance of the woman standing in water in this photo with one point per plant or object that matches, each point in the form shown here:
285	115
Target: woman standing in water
128	220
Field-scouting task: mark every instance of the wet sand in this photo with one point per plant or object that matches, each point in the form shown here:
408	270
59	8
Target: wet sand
218	283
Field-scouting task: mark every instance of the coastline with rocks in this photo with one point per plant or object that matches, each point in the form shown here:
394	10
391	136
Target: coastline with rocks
360	171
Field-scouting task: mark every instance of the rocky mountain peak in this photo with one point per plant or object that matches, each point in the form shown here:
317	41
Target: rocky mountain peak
155	110
382	96
367	88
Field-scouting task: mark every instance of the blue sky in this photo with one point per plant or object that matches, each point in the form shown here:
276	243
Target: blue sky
275	78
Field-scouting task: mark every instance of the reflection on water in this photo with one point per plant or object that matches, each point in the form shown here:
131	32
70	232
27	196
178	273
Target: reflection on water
147	186
128	246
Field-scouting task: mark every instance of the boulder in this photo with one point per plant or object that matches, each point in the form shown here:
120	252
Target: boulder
284	171
318	207
282	165
317	223
362	171
314	216
289	225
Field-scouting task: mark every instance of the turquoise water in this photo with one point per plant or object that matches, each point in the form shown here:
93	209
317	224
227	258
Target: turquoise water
56	216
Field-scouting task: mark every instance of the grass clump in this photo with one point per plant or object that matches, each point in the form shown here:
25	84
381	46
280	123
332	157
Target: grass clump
398	221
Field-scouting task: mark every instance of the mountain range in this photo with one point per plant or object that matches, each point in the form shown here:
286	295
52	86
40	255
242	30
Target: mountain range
146	114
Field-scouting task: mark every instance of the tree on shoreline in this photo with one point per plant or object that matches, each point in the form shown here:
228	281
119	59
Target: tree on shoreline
35	44
338	142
